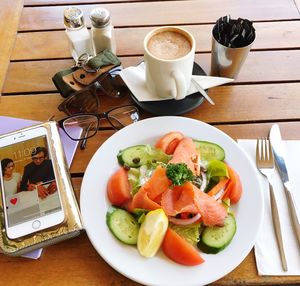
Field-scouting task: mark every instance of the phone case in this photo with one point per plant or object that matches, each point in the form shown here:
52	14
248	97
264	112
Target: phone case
72	225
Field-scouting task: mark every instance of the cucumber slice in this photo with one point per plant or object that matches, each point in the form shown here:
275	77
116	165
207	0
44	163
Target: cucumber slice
134	156
214	239
138	155
209	151
122	225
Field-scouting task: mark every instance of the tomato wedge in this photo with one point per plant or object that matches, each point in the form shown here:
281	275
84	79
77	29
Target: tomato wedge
169	142
234	189
179	250
118	188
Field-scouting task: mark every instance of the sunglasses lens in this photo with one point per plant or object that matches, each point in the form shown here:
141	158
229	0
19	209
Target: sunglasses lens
86	125
112	84
83	101
123	116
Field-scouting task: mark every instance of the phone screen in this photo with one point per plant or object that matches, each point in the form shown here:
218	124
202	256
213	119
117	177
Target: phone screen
28	181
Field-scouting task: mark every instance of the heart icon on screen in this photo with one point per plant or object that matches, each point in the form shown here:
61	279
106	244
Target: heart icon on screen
13	201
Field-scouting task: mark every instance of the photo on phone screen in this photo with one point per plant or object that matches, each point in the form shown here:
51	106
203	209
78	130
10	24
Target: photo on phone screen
29	187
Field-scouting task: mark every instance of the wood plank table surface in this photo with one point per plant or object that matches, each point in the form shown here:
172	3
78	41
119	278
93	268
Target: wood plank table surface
34	47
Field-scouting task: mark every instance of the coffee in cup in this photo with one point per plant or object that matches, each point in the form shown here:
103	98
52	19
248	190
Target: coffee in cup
169	45
169	57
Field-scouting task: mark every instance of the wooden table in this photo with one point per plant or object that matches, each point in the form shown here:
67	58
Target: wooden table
34	47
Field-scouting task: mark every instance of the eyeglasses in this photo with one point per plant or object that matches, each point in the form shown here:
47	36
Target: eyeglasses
86	100
85	125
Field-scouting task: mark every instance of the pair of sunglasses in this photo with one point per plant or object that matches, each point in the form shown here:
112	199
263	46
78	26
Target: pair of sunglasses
86	100
83	109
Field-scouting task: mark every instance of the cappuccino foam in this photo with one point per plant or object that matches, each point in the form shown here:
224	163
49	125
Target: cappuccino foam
169	45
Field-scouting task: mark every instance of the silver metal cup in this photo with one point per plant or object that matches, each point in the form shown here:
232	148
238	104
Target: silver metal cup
225	61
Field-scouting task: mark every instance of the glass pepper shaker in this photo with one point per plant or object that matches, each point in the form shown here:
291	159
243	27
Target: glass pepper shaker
102	31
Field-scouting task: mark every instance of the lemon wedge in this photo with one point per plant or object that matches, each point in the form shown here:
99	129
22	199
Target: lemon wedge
152	232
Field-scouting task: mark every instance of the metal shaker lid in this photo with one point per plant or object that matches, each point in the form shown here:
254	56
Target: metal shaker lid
73	18
100	17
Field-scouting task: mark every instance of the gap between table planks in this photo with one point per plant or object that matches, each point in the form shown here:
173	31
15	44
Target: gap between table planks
50	17
10	16
282	35
260	67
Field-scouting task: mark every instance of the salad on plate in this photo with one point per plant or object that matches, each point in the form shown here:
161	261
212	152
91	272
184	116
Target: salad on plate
174	196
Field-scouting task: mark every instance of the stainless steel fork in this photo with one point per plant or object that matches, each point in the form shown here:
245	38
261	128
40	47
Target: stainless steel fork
265	164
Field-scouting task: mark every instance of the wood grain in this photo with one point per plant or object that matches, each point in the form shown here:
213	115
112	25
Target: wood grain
154	13
289	130
88	268
10	15
260	66
27	106
64	2
54	44
248	103
33	76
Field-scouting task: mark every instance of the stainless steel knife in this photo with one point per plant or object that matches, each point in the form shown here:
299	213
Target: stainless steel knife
280	159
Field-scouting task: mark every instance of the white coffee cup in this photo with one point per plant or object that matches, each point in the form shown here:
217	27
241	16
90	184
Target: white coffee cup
169	54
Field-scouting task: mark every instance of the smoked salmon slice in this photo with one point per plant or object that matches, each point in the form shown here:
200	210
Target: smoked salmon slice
185	152
179	199
212	212
141	200
158	183
188	198
149	196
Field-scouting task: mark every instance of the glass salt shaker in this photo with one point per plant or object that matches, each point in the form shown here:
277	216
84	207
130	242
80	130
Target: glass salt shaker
102	31
77	32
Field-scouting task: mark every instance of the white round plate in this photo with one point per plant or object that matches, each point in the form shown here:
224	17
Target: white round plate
160	270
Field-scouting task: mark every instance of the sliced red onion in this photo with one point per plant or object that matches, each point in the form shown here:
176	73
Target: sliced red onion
184	221
219	194
203	165
204	182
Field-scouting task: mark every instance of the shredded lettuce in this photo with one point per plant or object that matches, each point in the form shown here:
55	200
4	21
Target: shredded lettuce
137	177
140	214
133	178
215	170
